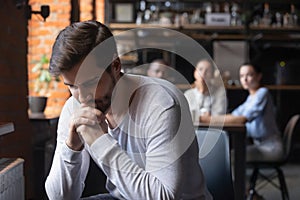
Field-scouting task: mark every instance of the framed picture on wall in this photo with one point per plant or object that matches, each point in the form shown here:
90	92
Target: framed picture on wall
121	11
124	12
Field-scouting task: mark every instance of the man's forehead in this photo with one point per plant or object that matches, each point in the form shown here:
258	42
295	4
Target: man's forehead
157	66
85	75
204	65
96	62
88	69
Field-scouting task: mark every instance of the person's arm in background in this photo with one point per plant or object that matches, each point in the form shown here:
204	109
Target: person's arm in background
219	119
228	118
66	178
191	99
251	110
243	113
219	103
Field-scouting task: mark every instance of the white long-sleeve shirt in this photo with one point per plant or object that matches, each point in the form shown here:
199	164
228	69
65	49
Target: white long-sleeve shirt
215	102
151	154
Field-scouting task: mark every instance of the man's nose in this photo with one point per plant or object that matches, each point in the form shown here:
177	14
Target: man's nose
202	73
160	74
85	95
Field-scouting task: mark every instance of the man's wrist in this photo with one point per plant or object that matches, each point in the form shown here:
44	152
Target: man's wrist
74	147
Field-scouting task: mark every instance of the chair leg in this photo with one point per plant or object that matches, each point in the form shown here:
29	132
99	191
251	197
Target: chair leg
252	183
284	190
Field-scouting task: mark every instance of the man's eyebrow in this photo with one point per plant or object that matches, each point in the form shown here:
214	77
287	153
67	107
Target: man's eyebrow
85	82
68	84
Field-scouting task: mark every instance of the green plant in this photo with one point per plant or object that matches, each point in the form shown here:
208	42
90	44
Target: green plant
43	80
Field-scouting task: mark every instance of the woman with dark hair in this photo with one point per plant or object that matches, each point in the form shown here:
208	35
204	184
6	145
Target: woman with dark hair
257	112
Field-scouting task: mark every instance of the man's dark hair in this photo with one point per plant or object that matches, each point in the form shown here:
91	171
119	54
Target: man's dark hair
160	61
75	42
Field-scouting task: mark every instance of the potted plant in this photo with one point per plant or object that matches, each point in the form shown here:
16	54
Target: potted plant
42	85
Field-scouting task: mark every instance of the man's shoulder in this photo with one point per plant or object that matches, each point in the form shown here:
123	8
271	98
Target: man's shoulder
157	90
190	91
70	104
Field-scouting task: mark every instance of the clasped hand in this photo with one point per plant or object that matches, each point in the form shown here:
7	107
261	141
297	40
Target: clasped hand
87	124
201	85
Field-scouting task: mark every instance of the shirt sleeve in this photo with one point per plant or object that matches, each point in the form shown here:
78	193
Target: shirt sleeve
253	106
191	99
160	178
67	174
219	104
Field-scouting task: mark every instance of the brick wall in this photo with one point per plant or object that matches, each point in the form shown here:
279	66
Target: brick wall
86	10
42	36
13	86
17	51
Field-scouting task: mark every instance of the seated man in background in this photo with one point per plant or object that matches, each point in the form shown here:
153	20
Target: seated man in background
137	130
207	97
157	68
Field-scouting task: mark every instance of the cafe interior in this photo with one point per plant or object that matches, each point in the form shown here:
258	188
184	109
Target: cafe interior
229	32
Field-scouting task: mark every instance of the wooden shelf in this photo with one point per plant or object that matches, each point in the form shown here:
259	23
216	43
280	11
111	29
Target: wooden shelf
232	87
184	27
270	87
283	87
274	28
209	28
204	32
205	27
215	36
126	26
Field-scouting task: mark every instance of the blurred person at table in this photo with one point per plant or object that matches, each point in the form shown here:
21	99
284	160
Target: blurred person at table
137	130
257	112
157	68
206	97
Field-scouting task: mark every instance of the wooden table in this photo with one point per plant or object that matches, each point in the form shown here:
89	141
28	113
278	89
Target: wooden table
12	178
6	127
237	133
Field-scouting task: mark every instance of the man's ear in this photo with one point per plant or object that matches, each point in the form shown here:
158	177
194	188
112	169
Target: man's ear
116	66
196	73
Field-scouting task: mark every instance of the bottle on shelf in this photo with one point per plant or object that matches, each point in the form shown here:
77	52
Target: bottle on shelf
196	19
140	12
294	16
139	18
235	19
267	16
226	7
278	19
287	19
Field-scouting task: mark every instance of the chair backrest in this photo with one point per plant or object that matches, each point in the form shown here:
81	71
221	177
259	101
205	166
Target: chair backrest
214	158
288	133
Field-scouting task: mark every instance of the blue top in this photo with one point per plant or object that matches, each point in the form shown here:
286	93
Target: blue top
259	111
